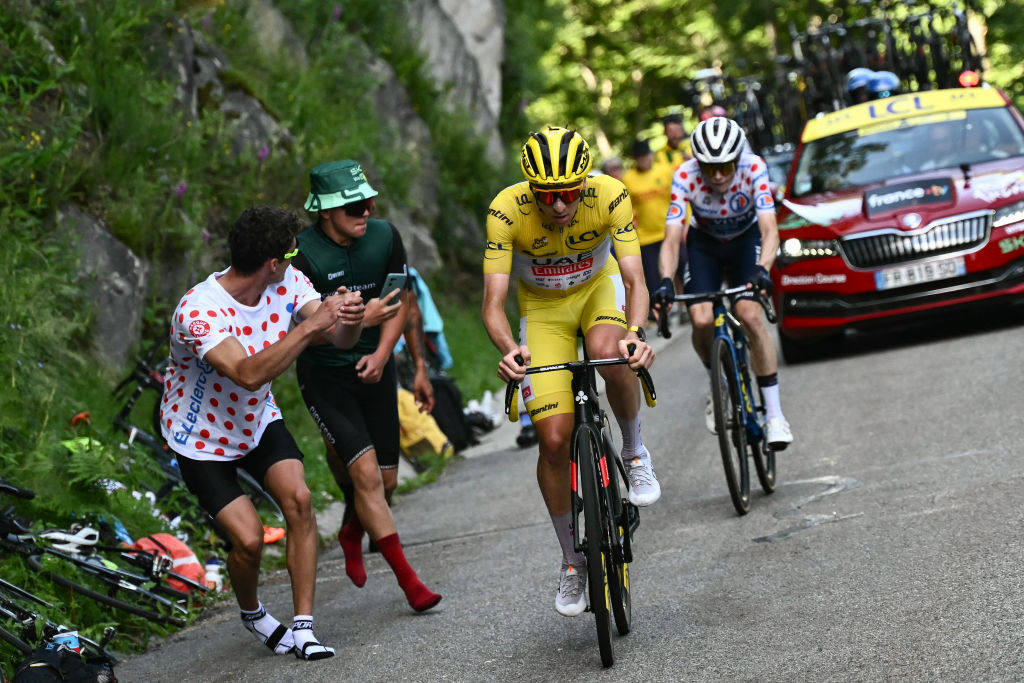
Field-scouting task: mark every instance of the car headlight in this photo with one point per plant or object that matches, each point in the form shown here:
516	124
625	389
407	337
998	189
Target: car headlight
1014	213
794	249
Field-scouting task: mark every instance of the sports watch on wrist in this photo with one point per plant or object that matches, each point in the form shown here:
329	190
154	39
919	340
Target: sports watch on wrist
639	332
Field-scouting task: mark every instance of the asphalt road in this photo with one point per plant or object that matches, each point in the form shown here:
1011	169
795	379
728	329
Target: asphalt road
891	548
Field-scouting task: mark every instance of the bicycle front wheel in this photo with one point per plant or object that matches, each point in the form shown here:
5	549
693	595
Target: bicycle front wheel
764	457
619	531
732	433
587	453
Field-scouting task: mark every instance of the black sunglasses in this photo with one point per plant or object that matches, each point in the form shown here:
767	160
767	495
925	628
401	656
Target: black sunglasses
723	169
357	209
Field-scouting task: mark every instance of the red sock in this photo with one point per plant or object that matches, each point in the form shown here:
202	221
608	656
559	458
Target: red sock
351	539
419	596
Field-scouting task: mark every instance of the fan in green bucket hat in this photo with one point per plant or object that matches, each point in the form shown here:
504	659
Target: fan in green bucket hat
337	183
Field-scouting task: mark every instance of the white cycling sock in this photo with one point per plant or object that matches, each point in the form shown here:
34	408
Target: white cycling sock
306	644
772	405
269	630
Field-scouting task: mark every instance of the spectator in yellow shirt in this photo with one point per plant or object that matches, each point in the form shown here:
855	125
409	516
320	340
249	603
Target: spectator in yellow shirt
649	185
677	148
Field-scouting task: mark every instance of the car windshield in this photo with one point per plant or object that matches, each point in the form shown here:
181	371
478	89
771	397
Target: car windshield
919	145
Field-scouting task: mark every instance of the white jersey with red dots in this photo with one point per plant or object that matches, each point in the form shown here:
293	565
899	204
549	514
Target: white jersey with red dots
205	415
723	216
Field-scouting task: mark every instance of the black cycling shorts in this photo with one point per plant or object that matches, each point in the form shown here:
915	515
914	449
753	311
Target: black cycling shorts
711	261
215	482
353	417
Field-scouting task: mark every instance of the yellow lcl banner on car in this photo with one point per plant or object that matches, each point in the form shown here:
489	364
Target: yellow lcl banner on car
879	112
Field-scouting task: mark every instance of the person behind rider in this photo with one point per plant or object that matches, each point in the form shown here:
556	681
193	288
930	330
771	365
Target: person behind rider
554	232
725	193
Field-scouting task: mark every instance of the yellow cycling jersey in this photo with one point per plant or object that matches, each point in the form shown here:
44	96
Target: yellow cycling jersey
550	260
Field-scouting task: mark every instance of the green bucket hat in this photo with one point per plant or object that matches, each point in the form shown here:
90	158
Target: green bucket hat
337	183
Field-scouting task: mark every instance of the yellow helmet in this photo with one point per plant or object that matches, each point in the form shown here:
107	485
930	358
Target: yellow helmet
556	158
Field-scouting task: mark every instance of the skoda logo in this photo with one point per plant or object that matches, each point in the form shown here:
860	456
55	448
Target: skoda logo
911	220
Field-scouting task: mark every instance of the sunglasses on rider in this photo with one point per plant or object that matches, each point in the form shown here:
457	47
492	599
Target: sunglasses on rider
548	197
357	209
291	254
723	169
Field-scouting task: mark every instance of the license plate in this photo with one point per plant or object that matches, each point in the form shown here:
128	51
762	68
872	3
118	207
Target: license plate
915	274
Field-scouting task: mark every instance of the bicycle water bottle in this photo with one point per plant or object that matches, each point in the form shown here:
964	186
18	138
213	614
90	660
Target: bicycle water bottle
68	639
214	579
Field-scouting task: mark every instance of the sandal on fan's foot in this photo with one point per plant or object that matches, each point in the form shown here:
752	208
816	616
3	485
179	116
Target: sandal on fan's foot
313	651
269	631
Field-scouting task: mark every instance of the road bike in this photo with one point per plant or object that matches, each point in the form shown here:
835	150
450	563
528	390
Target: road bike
24	629
600	492
91	575
737	400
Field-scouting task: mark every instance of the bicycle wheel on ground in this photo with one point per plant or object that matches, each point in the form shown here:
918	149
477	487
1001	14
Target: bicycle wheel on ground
764	458
732	435
587	452
113	583
618	525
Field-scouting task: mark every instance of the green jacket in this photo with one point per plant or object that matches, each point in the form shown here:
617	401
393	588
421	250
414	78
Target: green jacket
360	266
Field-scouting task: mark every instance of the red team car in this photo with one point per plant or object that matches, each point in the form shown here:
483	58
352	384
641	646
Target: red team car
900	207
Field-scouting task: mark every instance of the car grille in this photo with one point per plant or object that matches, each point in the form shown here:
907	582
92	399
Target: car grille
894	246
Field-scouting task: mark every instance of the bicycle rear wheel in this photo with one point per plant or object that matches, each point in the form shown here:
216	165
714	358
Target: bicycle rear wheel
732	434
619	531
587	452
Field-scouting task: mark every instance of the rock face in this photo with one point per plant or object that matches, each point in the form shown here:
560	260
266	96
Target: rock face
114	278
462	44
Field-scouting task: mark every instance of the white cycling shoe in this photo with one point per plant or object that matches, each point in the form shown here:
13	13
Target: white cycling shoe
571	598
644	488
779	434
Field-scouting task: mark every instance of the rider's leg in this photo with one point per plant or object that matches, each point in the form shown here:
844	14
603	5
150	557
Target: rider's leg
702	332
623	392
763	358
553	434
766	367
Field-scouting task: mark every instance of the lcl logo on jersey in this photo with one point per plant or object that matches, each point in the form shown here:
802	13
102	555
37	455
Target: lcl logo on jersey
576	242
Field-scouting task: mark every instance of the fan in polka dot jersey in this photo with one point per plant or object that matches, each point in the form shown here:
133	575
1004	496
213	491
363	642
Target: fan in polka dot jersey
230	336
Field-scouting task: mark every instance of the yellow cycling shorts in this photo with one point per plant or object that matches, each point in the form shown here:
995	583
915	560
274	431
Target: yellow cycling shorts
548	328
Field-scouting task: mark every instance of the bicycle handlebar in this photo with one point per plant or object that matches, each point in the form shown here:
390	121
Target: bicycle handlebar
17	491
731	293
512	386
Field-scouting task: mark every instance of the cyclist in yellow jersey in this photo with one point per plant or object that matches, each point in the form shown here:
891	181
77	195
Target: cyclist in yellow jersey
554	232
